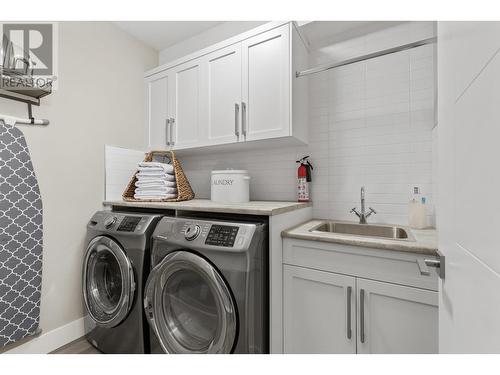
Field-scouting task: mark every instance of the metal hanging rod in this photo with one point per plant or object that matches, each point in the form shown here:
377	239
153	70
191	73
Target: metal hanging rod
22	121
10	120
353	60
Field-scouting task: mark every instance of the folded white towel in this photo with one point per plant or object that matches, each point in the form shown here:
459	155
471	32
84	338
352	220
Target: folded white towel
156	189
155	197
153	191
155	183
154	172
153	178
151	165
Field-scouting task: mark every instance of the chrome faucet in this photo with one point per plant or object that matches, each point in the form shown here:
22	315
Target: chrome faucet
363	215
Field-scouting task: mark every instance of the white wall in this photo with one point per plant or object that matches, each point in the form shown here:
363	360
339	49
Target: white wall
370	124
214	35
469	182
99	100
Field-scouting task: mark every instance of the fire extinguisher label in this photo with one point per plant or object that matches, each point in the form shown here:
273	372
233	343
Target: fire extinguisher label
303	189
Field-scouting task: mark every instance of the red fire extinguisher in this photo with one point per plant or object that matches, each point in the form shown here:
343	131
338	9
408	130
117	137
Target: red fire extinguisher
304	177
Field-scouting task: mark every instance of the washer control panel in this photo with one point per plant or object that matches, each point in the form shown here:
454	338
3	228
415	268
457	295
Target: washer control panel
122	223
222	235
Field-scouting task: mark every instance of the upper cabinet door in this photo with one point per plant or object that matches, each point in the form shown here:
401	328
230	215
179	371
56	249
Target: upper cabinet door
188	99
319	312
157	110
395	319
266	76
223	71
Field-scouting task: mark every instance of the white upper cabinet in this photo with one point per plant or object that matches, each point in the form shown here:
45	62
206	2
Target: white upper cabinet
157	99
188	97
232	93
223	68
266	84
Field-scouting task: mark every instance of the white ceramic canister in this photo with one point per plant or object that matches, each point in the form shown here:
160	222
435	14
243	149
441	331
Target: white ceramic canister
230	186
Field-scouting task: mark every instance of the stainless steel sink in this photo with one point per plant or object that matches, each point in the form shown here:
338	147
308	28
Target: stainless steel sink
369	230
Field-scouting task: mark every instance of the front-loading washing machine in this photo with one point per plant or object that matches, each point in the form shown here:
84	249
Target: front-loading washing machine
115	268
208	288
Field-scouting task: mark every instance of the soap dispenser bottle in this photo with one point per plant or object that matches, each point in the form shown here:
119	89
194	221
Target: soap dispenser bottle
417	210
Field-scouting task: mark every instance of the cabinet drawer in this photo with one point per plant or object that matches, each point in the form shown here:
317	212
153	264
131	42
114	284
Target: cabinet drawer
384	265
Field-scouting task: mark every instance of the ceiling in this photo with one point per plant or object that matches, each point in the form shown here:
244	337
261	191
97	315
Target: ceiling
328	32
163	34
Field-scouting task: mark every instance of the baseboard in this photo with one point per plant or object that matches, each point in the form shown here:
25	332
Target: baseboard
52	340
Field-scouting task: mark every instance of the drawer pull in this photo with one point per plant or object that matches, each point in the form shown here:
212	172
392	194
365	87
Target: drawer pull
362	315
349	324
167	131
244	118
236	118
172	123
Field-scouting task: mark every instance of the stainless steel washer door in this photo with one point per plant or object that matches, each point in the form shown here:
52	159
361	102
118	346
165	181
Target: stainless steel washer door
108	282
189	306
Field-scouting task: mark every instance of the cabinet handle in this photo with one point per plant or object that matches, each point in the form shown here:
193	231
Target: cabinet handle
172	123
439	264
424	270
349	324
167	131
244	118
236	119
362	315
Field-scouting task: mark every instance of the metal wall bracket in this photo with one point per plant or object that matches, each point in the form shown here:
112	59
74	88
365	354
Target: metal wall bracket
26	95
441	266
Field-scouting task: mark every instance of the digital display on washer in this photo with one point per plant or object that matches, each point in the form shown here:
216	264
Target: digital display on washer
222	235
129	223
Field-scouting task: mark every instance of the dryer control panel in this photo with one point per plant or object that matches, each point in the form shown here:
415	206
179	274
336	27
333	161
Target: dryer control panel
213	234
222	235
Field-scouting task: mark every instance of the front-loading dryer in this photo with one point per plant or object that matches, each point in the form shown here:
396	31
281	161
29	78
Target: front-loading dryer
115	267
208	288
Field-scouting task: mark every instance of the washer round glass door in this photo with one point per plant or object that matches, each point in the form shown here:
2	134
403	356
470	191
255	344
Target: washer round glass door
108	282
190	306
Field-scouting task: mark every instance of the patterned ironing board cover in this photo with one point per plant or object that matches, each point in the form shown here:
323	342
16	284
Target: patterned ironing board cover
21	236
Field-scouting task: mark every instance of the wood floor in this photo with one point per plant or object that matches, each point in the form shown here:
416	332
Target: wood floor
79	346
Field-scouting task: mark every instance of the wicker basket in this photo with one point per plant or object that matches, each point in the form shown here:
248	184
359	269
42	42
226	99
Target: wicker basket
184	190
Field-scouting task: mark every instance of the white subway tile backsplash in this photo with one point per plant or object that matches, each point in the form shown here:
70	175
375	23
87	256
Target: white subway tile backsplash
120	164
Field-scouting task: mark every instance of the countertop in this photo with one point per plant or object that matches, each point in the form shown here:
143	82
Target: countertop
263	208
426	240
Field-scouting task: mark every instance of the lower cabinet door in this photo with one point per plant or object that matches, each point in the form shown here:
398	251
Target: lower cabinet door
396	319
319	311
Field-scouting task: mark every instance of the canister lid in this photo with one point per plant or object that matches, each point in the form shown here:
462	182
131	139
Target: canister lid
230	171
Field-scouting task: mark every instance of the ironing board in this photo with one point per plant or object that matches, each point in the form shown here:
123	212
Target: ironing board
21	236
